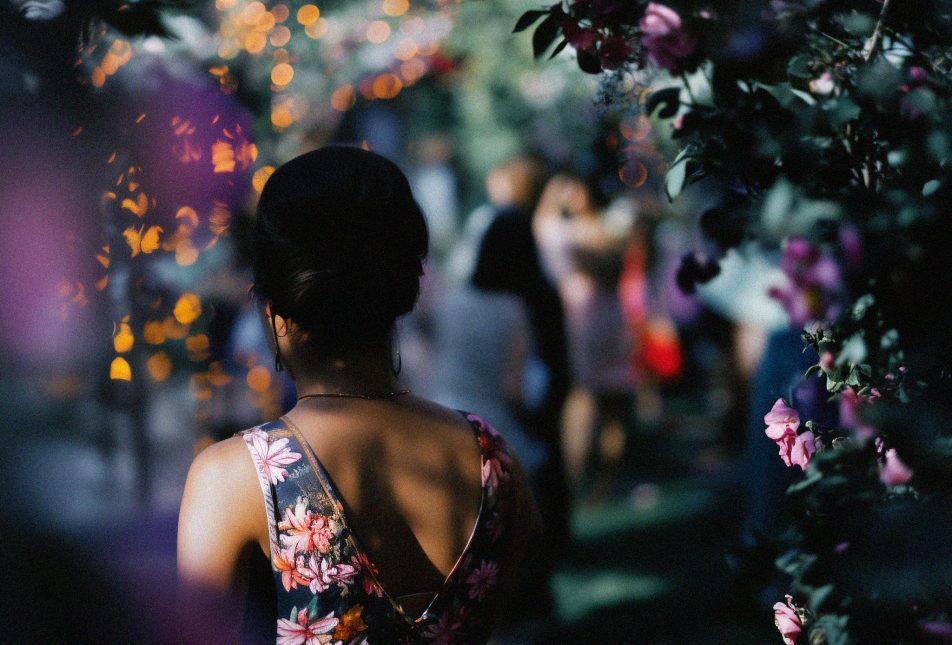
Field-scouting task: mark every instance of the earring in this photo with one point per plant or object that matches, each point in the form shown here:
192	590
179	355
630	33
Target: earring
277	351
399	365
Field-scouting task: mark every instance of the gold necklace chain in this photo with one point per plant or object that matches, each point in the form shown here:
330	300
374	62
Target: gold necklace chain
344	395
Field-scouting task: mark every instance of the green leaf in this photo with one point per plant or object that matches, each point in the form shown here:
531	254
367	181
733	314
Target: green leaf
670	97
527	19
677	173
544	35
587	62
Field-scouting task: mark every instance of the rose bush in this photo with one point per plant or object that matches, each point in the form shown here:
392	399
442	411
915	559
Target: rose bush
823	133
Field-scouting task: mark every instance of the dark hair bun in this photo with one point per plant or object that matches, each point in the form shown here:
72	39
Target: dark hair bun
339	244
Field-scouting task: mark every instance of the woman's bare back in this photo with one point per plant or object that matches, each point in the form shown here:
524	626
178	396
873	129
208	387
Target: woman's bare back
408	474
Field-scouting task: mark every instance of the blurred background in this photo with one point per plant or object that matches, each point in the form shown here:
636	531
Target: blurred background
135	141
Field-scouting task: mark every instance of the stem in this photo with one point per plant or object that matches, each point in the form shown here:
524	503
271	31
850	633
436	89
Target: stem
873	41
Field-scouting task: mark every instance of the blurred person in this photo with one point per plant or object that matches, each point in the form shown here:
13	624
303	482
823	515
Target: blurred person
386	518
485	340
584	260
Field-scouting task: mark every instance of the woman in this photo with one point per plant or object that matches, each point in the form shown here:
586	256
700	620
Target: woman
386	518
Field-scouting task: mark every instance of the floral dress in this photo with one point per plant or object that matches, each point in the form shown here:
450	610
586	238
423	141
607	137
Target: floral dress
327	588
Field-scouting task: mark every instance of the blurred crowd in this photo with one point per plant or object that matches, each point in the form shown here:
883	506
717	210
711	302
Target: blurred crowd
551	309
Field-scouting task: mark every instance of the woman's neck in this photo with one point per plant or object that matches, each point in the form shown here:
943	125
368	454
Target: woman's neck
362	374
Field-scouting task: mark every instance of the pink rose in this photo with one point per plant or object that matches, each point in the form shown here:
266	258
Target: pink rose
781	420
782	423
815	280
787	621
893	472
824	85
849	401
664	37
800	452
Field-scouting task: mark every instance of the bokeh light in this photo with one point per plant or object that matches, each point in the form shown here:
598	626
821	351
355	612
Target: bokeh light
282	74
635	129
343	98
123	340
153	332
308	14
405	49
387	86
280	12
119	369
159	366
252	13
317	28
187	309
378	31
395	8
280	36
633	173
259	378
260	177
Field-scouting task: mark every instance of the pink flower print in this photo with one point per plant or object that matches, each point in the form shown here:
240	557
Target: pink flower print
367	571
305	530
284	562
271	457
483	579
444	630
893	472
787	621
664	37
342	573
321	573
300	633
492	474
495	525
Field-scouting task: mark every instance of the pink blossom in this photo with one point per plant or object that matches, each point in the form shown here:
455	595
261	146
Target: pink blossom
444	630
300	633
781	420
803	448
827	361
849	403
270	457
814	282
942	631
787	621
579	37
305	530
893	472
483	579
782	423
824	85
664	37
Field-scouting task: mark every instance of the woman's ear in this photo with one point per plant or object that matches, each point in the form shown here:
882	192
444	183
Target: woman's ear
278	324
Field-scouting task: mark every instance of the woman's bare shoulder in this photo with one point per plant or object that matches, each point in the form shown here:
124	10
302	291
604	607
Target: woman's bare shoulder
225	463
222	510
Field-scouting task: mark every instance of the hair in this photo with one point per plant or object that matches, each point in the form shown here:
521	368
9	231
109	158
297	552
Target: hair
508	259
338	246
